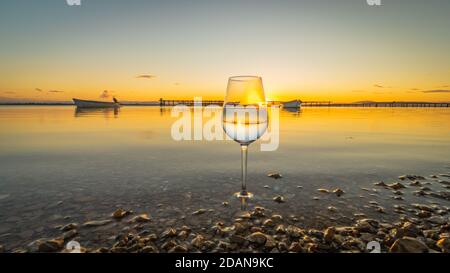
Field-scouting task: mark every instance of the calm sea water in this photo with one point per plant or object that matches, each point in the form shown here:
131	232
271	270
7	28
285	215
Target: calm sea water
59	165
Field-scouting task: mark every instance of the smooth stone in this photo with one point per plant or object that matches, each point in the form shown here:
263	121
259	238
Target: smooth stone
51	245
437	220
198	241
329	234
170	232
96	223
268	223
120	213
142	218
338	192
444	244
396	186
257	238
279	199
332	209
380	183
275	175
69	227
178	249
198	212
408	245
295	247
323	190
70	234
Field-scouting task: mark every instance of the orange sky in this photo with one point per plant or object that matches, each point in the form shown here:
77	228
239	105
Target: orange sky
341	51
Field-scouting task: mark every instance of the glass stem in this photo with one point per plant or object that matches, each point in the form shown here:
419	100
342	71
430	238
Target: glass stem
244	149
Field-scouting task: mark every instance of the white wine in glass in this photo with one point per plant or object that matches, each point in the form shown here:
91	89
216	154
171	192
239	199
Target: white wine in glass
245	117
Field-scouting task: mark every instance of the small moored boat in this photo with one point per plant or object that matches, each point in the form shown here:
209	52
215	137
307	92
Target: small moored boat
292	104
96	104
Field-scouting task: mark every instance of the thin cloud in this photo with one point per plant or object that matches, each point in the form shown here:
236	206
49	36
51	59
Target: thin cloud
436	91
177	83
146	76
38	89
414	89
381	86
55	91
9	92
358	91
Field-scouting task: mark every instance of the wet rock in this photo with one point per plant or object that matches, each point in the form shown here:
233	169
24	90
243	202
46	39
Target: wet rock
367	225
423	214
444	244
223	245
178	249
268	223
339	192
295	247
332	209
170	232
329	234
198	241
408	245
69	227
275	175
437	220
120	213
183	234
270	242
396	186
381	184
198	212
415	183
96	223
225	204
142	218
323	190
279	199
169	245
420	193
280	229
258	211
149	249
70	234
277	218
237	239
294	231
266	186
51	245
258	238
239	228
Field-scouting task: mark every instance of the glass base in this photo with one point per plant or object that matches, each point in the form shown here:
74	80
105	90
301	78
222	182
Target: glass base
243	194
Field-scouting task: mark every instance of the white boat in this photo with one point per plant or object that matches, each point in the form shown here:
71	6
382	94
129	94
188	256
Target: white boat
292	104
96	104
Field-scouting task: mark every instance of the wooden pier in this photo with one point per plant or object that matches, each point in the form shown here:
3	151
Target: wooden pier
377	104
163	102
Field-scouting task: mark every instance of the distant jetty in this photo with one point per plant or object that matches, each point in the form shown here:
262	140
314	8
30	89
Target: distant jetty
164	102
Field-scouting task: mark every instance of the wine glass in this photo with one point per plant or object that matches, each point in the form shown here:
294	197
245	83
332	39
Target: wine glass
245	117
